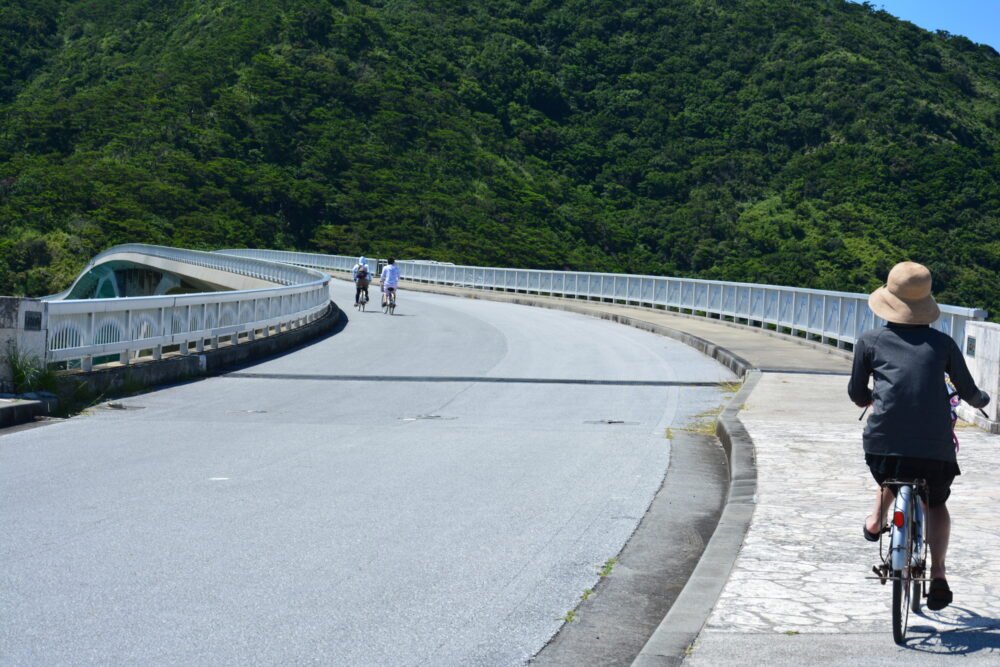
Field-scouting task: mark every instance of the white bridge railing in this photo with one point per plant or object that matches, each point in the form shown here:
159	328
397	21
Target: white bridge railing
837	318
81	329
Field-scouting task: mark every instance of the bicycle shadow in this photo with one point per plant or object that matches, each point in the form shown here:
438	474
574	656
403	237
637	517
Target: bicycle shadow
971	633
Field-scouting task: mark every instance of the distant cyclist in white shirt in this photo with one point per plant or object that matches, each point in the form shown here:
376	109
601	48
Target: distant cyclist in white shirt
390	278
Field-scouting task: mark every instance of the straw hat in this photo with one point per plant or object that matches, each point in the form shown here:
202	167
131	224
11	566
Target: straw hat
906	296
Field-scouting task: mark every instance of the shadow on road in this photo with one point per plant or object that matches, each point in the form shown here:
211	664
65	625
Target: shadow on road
972	633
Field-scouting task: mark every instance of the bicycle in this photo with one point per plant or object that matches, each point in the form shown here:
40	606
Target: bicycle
905	563
389	302
362	300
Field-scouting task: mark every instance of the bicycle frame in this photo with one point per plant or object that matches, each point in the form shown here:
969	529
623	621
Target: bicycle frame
907	501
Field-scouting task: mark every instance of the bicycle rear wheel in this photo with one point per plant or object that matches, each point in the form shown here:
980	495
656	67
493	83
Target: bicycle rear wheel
915	596
902	580
900	606
919	533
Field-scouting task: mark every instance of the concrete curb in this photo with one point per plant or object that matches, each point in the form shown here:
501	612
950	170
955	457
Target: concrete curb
671	641
613	624
183	367
21	411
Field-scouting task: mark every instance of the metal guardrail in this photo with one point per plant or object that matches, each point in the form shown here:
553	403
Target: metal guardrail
81	329
837	318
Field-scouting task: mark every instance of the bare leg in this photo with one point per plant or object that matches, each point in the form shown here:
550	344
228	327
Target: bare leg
883	501
938	534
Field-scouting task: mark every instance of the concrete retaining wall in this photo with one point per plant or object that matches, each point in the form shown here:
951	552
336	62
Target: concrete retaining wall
22	325
139	375
982	353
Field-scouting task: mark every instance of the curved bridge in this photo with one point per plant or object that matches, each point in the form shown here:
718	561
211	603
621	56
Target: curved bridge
438	487
270	291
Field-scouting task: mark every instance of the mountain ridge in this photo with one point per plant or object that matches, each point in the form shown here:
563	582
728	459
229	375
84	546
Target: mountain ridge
811	143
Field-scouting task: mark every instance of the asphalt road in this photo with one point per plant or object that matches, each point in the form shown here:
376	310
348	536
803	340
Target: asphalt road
433	488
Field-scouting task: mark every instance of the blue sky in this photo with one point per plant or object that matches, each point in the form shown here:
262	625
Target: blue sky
979	20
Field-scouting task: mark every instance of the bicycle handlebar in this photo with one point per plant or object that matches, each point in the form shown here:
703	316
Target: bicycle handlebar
981	411
863	412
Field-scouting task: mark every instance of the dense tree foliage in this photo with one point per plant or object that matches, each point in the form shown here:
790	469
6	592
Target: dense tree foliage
802	142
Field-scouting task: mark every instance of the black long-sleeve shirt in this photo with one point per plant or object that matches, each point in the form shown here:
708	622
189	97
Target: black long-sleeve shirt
910	408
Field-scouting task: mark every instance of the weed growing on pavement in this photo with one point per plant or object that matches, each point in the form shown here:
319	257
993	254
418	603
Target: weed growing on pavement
731	387
586	594
569	617
669	434
704	422
609	565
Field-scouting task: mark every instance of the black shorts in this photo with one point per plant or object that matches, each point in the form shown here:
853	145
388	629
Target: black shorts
939	474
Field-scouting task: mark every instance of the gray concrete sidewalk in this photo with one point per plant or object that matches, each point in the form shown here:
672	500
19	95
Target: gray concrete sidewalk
797	592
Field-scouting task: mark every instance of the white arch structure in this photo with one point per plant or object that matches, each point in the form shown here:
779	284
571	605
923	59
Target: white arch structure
264	298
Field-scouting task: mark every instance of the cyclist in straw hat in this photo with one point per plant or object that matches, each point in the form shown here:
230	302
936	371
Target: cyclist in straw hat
908	434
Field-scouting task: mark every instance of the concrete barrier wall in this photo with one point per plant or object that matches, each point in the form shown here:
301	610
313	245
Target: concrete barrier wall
136	376
22	327
982	353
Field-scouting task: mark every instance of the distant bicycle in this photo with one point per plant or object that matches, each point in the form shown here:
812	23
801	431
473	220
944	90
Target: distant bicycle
389	300
362	300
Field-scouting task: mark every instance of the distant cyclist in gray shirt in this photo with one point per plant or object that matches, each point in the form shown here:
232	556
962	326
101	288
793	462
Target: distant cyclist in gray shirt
908	434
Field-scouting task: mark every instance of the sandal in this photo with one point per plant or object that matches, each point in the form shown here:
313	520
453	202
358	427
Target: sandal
939	596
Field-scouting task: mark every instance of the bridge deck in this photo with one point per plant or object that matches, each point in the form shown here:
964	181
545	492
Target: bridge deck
798	593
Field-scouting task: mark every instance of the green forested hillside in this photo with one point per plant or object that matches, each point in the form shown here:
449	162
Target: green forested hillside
800	142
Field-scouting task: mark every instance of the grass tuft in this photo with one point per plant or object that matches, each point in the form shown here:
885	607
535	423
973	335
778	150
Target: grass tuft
705	422
731	387
28	372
